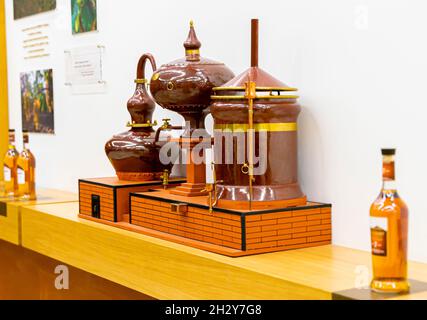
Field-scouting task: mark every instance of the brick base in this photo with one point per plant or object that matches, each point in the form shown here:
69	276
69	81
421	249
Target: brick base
232	232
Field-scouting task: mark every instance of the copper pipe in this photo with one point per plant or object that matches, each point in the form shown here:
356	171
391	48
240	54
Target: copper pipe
140	73
251	95
254	43
165	127
212	189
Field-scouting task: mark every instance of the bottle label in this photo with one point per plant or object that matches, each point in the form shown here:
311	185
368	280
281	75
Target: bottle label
21	176
379	228
7	173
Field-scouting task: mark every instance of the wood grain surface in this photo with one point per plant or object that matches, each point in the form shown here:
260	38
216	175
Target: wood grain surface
165	270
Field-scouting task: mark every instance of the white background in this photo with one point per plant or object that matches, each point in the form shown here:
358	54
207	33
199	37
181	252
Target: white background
361	67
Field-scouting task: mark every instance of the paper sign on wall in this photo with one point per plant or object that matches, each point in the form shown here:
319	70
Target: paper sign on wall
84	70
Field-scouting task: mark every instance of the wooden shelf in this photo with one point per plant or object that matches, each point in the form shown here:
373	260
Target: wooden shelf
166	270
10	229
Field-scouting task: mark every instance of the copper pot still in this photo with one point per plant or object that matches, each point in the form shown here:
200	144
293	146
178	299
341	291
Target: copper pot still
185	85
255	101
135	154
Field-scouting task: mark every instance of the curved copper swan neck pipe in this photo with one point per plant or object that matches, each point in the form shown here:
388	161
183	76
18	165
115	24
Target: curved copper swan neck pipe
140	71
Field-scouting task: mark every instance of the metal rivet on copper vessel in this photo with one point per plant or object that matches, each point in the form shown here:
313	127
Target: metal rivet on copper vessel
170	86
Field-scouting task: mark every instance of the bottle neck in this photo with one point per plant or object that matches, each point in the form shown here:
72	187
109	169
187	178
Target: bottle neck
11	140
26	141
389	185
389	178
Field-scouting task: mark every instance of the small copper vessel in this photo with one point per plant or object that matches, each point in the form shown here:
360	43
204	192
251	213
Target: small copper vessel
185	85
135	154
255	102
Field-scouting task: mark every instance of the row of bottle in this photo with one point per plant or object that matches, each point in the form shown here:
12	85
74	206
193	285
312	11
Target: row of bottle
19	170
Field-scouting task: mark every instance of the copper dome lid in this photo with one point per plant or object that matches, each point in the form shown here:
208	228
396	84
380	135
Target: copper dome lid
268	86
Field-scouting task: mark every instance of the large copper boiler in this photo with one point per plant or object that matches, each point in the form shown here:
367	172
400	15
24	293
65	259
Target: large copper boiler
135	154
185	85
255	102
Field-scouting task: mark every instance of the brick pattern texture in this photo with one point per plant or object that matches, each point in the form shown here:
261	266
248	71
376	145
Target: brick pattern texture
106	196
264	232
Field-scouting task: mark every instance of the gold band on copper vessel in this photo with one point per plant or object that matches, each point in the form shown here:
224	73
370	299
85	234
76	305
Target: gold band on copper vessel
271	127
257	88
256	98
141	81
192	52
141	125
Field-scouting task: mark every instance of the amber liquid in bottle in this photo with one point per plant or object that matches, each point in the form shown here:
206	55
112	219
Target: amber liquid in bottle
9	168
389	234
26	167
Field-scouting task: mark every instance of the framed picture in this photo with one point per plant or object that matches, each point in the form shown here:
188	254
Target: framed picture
37	101
83	16
25	8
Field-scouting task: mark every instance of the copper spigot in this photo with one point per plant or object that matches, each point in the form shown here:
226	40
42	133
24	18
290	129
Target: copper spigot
211	188
165	127
165	178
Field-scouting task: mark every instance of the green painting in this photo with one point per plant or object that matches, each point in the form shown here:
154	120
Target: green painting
25	8
37	101
84	16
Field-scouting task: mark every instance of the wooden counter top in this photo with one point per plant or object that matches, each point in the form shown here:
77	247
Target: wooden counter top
165	270
10	229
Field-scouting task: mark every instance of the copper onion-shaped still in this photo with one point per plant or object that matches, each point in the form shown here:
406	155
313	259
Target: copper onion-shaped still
135	154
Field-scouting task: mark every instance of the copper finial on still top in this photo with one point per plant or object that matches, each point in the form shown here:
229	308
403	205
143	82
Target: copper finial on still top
192	45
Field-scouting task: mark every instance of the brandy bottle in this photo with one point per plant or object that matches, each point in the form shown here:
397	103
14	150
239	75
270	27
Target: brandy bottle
389	234
26	167
9	168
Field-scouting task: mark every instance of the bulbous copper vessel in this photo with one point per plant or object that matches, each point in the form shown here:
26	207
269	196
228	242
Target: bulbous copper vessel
135	154
257	114
185	85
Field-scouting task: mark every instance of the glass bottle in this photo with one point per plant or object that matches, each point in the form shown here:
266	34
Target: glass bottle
9	168
389	234
26	167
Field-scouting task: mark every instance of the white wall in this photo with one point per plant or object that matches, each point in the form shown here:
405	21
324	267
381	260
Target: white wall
360	66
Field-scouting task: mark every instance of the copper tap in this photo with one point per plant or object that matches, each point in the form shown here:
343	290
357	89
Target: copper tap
165	178
212	189
166	126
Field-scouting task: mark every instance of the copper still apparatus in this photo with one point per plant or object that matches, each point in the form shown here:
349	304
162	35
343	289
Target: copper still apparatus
185	85
135	154
255	122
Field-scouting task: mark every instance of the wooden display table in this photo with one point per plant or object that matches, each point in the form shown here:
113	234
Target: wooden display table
10	218
25	274
166	270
